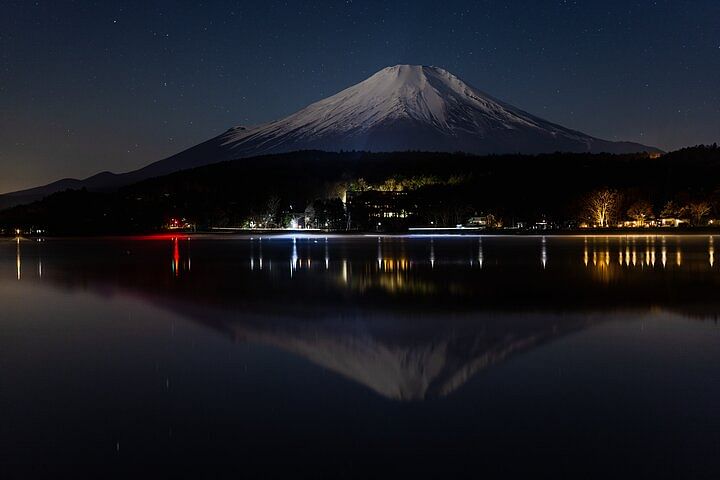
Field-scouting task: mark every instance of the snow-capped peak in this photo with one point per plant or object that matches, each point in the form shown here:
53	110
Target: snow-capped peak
400	107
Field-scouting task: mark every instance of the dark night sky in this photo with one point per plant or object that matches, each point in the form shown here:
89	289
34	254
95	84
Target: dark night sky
90	86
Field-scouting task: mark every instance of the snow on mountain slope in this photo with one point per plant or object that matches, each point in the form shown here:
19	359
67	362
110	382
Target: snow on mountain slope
408	107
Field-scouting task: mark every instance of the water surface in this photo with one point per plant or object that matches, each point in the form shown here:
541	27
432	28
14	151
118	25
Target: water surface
362	357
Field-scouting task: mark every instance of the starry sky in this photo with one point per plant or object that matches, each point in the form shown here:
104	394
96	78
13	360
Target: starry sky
87	86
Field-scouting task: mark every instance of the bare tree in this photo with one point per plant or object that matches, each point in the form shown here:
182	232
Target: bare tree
640	211
601	206
310	216
271	211
697	212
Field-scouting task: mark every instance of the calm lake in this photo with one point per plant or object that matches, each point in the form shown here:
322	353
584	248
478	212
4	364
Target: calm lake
360	357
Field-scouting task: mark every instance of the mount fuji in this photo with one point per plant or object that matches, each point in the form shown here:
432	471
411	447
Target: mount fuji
400	108
409	107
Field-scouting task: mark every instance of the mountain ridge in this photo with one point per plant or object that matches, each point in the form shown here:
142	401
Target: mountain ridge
399	108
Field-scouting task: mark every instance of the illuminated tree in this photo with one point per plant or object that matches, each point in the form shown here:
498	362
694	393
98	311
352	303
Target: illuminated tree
640	211
391	184
697	212
670	210
601	207
359	185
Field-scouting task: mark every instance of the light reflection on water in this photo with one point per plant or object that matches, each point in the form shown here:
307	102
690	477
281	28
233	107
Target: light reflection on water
18	260
600	252
609	254
608	258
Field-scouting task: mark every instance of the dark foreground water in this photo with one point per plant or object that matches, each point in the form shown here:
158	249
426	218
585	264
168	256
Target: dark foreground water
362	357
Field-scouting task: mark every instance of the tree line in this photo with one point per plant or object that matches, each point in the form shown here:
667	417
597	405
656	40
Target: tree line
605	208
343	190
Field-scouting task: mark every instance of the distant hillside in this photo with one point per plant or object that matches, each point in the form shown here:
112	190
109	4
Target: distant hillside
449	185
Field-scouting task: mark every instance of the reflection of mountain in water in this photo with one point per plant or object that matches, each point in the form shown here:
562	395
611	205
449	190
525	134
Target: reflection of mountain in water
409	321
399	359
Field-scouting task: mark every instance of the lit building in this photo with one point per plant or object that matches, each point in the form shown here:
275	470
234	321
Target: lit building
481	221
671	222
380	209
179	224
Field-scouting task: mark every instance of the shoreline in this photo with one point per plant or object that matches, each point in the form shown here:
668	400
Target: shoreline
453	233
